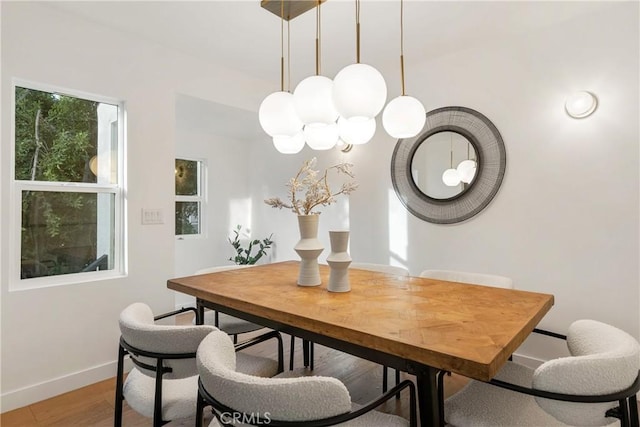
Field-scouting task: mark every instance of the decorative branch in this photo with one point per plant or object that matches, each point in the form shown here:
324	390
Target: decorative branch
317	191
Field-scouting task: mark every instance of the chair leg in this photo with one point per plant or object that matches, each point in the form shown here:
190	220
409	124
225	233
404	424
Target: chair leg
311	355
397	382
292	352
117	417
157	404
200	404
624	413
385	382
633	412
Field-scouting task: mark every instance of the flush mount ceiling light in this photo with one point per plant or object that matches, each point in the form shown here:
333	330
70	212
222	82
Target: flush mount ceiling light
404	116
359	90
581	104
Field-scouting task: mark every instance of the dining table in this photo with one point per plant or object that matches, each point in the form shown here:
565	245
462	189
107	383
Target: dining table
417	325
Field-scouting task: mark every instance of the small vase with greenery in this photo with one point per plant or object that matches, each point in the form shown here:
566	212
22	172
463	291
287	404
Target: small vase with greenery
244	255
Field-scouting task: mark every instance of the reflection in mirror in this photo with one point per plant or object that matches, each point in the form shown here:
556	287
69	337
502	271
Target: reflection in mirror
444	165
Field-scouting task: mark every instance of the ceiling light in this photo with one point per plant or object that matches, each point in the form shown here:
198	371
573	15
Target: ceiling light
356	132
289	144
581	104
321	136
277	114
404	116
466	170
451	178
359	90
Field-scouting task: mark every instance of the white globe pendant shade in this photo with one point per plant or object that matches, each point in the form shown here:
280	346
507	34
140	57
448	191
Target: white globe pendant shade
289	144
359	92
466	170
321	136
451	178
356	132
277	115
404	117
312	100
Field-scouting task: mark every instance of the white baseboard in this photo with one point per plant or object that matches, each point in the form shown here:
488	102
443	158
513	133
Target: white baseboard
24	396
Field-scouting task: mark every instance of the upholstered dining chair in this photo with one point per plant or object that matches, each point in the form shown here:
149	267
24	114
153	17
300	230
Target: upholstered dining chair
282	400
163	382
227	323
595	386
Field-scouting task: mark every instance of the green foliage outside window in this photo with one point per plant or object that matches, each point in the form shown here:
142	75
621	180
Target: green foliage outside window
55	140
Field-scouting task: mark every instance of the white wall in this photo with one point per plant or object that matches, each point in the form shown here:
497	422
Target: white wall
566	220
61	338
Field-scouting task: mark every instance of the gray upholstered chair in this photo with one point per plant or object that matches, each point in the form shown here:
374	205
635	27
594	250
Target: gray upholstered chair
163	383
602	373
282	400
229	324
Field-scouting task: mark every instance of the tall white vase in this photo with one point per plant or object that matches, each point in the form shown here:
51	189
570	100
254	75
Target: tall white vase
339	261
309	249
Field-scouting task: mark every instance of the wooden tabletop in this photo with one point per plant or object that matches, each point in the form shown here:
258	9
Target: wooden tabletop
463	328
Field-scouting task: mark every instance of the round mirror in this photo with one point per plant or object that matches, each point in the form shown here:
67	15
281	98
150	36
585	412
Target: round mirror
416	181
444	165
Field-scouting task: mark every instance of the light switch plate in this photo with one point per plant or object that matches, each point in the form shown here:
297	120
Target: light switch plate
152	216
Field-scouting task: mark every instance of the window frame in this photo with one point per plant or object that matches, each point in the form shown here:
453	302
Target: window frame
200	198
17	187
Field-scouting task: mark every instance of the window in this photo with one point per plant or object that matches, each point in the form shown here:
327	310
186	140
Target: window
189	196
67	186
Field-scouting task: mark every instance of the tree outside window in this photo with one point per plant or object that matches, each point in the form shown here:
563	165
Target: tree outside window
66	177
188	175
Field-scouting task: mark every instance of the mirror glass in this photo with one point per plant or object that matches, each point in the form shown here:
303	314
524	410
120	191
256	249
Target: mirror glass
444	165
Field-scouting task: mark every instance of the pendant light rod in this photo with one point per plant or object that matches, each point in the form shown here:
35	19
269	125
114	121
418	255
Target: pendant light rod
318	34
282	45
402	45
289	55
357	31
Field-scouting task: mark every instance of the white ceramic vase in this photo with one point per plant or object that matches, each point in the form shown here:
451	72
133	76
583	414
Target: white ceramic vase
309	249
339	261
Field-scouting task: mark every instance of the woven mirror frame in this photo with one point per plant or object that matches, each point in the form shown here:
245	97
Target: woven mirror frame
491	159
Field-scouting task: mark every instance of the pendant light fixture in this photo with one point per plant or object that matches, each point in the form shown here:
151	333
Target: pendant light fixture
277	114
467	168
404	116
359	90
314	105
451	177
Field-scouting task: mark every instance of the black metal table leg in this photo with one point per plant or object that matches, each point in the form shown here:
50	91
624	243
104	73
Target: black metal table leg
428	397
199	312
305	352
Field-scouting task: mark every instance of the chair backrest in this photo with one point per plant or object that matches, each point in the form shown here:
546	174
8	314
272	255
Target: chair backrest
284	399
604	359
139	330
220	268
382	268
466	277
